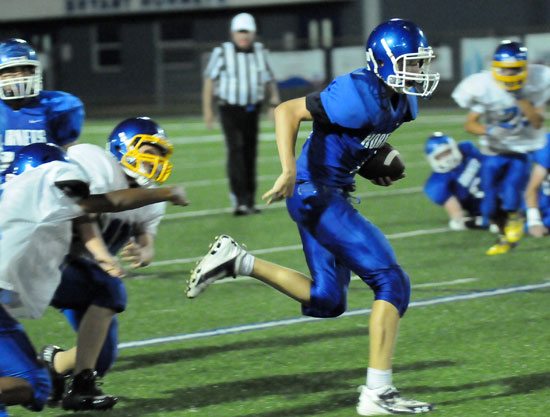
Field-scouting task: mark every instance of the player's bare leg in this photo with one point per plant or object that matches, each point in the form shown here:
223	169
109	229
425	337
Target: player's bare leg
383	328
383	397
91	336
226	258
83	393
288	281
65	361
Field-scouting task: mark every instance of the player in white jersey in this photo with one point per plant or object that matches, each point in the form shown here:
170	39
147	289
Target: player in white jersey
37	206
507	112
90	294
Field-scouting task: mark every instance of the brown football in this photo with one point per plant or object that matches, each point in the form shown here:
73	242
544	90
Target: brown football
387	162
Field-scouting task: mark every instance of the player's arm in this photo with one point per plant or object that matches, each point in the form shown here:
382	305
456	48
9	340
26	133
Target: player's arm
88	231
132	198
535	115
207	102
273	99
139	251
457	217
288	116
473	124
273	94
534	222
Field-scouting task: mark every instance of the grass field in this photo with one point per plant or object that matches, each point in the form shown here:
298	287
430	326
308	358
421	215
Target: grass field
474	342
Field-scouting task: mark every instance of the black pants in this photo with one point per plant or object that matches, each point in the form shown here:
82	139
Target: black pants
240	126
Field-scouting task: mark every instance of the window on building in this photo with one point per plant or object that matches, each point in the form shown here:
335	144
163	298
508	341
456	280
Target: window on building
176	45
107	48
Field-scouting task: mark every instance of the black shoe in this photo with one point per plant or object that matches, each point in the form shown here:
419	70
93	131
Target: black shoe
241	210
83	394
46	356
254	210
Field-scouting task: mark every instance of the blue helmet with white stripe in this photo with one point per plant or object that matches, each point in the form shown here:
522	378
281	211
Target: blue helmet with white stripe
20	70
442	153
393	48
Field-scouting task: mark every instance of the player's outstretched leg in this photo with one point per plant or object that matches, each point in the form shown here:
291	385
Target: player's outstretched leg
386	400
83	394
221	261
46	356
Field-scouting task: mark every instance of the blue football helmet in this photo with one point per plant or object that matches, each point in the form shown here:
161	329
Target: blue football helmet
126	142
510	65
393	48
16	53
34	155
442	152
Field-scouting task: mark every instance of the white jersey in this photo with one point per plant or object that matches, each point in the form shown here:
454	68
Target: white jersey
481	94
35	236
106	174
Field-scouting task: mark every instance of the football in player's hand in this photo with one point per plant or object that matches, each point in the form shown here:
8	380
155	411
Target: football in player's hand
387	162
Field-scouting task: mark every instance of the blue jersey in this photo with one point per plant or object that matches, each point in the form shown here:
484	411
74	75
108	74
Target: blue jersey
542	157
463	182
52	116
352	118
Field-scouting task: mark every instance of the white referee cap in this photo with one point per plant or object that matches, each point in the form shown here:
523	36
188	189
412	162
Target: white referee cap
243	21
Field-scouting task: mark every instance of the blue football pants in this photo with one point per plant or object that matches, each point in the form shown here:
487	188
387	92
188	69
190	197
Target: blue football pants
337	240
18	359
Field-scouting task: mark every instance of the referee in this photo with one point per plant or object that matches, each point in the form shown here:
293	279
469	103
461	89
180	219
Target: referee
238	75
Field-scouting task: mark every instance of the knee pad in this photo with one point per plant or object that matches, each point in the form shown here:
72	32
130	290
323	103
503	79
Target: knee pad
393	285
84	283
110	293
325	303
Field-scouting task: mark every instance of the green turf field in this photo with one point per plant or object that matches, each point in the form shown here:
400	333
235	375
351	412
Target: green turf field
470	343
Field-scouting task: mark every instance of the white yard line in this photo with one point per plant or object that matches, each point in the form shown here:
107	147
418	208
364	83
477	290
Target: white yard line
208	212
208	183
402	235
300	320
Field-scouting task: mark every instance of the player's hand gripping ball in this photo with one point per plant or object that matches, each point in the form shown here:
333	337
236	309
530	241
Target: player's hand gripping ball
387	162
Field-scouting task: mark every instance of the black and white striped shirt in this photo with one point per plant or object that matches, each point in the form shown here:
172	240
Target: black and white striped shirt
240	76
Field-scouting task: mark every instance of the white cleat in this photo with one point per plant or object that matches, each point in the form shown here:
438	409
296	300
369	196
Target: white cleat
386	400
220	262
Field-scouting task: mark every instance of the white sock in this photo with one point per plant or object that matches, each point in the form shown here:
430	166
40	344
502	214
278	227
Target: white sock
377	378
245	264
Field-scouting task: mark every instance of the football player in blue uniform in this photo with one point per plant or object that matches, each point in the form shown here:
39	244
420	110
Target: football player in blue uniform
33	115
352	118
44	192
537	194
455	180
90	293
507	112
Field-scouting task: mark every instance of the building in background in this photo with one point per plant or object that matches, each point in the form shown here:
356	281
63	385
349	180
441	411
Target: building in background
122	56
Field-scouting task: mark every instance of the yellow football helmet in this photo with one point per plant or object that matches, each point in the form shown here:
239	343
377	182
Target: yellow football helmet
143	150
